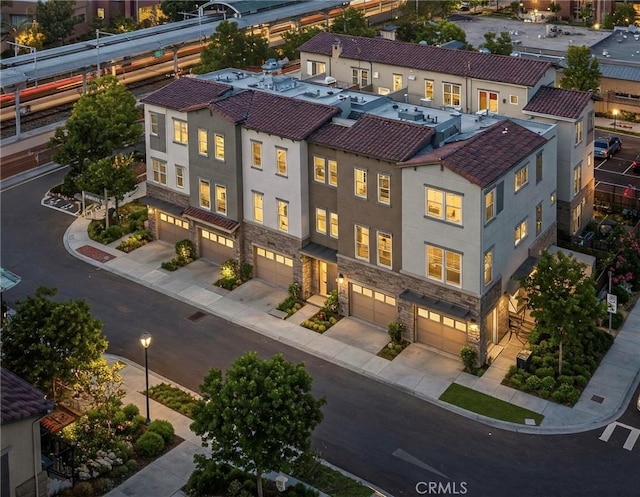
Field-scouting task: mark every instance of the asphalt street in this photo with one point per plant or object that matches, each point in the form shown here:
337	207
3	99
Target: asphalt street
385	436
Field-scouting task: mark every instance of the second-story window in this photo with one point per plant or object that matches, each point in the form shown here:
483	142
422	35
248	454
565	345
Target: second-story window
384	189
180	176
319	169
283	215
488	100
205	194
258	199
520	232
153	124
333	172
221	199
488	267
538	218
159	171
489	205
256	154
384	249
333	221
451	94
521	178
360	182
321	221
281	161
362	243
180	134
203	145
579	131
577	179
397	82
360	77
444	205
428	89
219	144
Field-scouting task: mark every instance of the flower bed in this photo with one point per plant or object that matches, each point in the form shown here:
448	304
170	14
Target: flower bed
321	321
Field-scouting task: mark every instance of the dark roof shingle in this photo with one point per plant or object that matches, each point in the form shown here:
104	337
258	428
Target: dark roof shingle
187	93
20	399
487	156
488	67
281	116
559	102
374	136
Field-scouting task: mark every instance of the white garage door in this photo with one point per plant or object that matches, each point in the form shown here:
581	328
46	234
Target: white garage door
216	248
371	305
172	229
274	267
442	332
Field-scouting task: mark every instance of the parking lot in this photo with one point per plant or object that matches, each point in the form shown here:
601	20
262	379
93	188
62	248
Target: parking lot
616	184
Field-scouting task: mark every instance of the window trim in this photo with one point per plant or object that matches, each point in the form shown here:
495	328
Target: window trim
381	199
522	237
332	176
283	205
204	153
201	200
319	229
159	171
317	162
180	131
221	188
334	216
154	122
218	143
444	269
280	163
493	194
451	94
362	182
379	249
444	215
518	183
256	145
180	170
358	228
258	208
487	269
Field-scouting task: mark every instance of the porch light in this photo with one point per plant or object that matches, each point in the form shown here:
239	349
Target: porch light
341	279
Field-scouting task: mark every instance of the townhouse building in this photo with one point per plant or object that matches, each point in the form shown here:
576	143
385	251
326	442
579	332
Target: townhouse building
374	197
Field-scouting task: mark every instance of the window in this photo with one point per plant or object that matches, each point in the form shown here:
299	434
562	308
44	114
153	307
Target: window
521	232
538	219
451	94
360	181
153	124
513	99
444	205
100	13
203	145
333	220
552	198
256	154
283	215
489	205
281	161
333	173
221	199
539	167
321	221
314	67
488	100
521	178
384	189
384	249
579	131
180	134
397	82
180	176
428	89
444	265
258	199
319	169
362	243
360	76
576	219
159	171
205	194
219	143
590	160
488	267
577	179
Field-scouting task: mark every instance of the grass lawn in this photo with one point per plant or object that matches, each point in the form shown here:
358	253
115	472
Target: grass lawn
486	405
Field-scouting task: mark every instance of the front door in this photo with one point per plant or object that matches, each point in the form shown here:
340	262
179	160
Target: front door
322	275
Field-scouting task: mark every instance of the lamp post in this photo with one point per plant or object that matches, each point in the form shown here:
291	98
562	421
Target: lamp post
615	119
145	340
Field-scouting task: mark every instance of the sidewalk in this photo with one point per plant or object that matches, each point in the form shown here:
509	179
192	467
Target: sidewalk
352	344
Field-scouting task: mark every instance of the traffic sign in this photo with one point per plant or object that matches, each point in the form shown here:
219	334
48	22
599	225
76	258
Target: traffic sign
612	303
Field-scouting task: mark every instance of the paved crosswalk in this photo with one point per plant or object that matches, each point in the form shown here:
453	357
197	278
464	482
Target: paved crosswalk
631	440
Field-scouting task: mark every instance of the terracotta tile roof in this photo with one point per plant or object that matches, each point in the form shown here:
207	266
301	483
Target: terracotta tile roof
487	156
500	68
20	399
282	116
186	94
223	223
375	136
559	102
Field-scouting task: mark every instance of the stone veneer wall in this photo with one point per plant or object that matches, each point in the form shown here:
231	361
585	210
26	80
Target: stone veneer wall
255	235
309	276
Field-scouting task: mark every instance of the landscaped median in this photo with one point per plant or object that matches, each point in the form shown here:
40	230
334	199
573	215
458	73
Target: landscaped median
485	405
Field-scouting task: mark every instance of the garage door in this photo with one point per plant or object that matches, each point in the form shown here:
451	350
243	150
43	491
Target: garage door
371	305
442	332
216	248
172	229
274	267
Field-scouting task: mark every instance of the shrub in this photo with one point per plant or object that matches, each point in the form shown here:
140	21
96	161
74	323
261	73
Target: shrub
580	381
548	383
208	478
119	472
542	372
469	357
162	428
186	248
300	490
395	330
532	384
150	444
562	379
616	320
332	303
566	394
132	465
83	489
130	411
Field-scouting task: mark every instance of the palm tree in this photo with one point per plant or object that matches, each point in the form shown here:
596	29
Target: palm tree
555	7
11	32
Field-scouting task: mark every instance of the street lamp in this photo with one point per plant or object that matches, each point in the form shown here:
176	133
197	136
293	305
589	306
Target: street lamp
145	340
615	118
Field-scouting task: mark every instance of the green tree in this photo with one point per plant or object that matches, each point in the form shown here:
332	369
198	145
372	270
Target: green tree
11	32
101	384
232	47
103	122
352	22
294	38
419	9
555	7
112	175
624	14
56	19
434	34
562	299
173	9
259	416
499	45
48	342
31	37
582	71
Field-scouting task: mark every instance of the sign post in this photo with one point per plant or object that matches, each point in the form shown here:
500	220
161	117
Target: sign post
612	303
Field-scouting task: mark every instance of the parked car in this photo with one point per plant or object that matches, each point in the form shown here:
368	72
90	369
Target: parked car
605	146
635	165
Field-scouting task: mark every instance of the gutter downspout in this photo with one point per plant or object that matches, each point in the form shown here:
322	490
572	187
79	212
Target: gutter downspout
36	457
